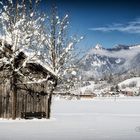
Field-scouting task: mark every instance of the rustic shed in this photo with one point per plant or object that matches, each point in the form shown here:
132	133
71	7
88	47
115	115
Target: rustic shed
34	87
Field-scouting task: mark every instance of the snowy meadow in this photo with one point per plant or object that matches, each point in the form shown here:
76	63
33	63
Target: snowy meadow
98	119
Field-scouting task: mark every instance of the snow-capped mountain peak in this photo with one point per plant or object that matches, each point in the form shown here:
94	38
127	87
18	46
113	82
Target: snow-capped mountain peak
98	47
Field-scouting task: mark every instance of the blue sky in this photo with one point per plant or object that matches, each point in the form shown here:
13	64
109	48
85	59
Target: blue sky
108	22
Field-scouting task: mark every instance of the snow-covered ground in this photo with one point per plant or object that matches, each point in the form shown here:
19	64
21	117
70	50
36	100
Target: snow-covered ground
131	85
128	82
92	87
97	119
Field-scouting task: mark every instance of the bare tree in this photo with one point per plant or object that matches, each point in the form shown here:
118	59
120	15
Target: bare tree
62	55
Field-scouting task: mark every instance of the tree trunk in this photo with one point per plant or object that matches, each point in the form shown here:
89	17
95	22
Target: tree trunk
49	106
50	101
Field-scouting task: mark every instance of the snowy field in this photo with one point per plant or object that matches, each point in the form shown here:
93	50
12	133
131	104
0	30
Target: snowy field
97	119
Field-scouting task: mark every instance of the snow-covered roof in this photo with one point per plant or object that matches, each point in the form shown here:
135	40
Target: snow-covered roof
34	59
44	65
30	56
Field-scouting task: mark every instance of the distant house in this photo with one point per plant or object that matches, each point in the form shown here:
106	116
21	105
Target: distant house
128	93
32	97
88	96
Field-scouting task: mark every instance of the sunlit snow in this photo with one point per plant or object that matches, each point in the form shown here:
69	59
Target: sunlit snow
99	119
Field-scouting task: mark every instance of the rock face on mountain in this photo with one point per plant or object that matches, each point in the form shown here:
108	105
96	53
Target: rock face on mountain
100	61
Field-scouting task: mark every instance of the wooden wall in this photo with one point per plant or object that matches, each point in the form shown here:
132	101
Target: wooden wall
26	102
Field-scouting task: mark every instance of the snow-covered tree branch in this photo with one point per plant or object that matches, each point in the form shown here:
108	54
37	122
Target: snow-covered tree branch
61	53
22	30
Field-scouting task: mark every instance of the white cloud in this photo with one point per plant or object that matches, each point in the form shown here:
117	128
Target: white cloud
130	27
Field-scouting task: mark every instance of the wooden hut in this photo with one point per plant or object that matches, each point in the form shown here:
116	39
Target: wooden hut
34	86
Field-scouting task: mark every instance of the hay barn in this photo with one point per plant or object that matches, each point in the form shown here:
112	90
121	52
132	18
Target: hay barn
22	99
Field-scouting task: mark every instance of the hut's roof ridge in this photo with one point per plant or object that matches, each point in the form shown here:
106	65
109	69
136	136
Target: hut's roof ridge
36	60
32	56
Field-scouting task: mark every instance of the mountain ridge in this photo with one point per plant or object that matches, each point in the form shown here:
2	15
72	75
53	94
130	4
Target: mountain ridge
100	61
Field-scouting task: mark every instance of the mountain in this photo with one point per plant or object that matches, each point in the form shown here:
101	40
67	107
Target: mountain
99	61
